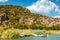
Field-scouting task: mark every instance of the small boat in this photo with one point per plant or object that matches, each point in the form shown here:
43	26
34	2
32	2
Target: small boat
34	35
44	35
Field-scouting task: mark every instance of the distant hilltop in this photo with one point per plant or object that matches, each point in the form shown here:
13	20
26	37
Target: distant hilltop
18	17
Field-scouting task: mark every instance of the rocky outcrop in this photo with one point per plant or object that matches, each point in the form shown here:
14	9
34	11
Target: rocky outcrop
17	14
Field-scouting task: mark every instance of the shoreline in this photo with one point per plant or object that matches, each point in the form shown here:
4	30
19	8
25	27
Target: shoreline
14	33
43	32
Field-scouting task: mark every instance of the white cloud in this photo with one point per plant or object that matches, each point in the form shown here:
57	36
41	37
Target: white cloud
43	7
56	16
57	0
3	0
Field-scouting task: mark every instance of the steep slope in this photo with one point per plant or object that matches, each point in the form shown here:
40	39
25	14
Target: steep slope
18	17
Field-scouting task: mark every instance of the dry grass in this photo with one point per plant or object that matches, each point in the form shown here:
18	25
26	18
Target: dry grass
27	32
53	32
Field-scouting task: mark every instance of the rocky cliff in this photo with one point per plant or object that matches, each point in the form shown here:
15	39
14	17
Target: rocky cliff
17	16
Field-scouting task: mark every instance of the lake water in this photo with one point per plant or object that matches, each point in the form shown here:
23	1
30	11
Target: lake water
50	37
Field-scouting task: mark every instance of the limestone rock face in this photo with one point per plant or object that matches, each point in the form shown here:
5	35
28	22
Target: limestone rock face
16	14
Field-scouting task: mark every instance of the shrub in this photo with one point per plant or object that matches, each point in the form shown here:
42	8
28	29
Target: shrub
10	33
1	31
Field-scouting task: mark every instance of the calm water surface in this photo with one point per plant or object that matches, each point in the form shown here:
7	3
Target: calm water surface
50	37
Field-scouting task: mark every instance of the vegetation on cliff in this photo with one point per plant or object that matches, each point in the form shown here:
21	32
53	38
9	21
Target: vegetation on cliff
21	18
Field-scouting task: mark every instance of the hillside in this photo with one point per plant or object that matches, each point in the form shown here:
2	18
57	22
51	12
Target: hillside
22	18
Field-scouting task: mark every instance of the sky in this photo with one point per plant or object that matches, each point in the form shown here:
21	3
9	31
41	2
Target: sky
49	8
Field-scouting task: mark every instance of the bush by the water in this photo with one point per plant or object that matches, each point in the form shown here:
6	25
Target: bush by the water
1	31
10	33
